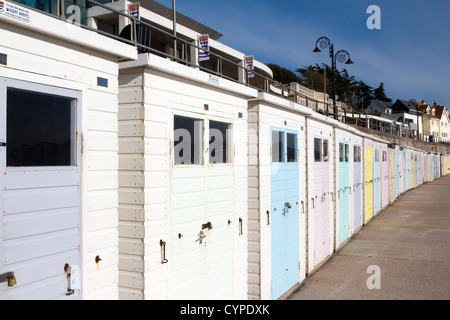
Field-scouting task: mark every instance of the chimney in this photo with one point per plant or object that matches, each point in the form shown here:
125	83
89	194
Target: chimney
423	101
435	103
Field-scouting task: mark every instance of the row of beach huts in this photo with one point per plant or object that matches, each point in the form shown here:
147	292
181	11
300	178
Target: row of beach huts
127	175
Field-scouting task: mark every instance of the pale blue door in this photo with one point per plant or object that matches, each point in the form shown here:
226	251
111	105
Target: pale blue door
285	211
344	192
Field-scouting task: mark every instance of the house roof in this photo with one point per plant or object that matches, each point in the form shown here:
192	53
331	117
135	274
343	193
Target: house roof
407	104
438	110
379	106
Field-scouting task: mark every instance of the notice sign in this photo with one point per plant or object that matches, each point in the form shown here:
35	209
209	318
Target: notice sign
133	10
248	60
14	11
204	44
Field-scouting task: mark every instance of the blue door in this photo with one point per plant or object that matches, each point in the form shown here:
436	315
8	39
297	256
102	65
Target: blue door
344	192
285	211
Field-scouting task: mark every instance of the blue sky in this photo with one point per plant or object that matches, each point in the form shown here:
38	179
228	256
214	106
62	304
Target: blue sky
410	54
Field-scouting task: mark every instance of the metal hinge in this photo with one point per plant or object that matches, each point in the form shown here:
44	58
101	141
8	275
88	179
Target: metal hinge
2	144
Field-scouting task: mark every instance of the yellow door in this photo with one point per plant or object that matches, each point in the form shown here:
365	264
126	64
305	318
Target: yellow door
369	183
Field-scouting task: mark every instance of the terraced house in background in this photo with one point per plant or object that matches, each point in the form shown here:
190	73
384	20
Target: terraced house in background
141	164
436	121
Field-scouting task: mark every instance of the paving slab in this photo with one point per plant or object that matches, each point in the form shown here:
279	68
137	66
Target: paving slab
402	254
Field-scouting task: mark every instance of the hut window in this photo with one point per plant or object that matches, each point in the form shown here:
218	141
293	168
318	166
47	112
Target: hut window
40	129
356	154
291	147
347	153
317	150
325	150
188	141
278	142
219	142
343	152
377	155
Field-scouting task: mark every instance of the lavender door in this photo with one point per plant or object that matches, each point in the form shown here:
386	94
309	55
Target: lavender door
357	187
321	200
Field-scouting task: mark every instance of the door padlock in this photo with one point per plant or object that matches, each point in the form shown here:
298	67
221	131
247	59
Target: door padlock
11	280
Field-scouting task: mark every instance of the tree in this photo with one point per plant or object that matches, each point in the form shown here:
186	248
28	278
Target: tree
345	86
312	77
379	93
364	95
282	75
356	94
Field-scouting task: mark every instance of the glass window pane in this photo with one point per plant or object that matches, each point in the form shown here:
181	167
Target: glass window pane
219	142
40	129
317	150
291	147
188	140
278	146
341	152
325	150
346	153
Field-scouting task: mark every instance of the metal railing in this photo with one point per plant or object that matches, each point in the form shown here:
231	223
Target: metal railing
90	9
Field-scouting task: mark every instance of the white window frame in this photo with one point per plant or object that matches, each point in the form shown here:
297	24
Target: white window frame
205	142
6	83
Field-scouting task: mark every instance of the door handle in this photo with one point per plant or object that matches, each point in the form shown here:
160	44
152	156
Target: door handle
2	144
201	236
207	225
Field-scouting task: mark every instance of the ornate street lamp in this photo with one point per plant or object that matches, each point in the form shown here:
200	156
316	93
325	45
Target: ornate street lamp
342	56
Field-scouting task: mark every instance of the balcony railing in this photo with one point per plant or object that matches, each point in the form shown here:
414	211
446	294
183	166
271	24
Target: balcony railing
143	35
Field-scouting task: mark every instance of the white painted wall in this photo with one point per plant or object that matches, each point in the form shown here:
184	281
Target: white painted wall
53	56
151	91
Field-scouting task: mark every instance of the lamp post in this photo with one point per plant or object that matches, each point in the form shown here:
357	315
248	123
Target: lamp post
341	56
414	102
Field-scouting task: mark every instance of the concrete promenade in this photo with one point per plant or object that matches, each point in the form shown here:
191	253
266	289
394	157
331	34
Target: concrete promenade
408	243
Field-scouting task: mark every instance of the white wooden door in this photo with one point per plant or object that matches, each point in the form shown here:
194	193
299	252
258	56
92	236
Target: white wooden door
40	190
201	214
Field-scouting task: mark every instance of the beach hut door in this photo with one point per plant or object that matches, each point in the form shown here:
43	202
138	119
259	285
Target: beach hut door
285	211
40	192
